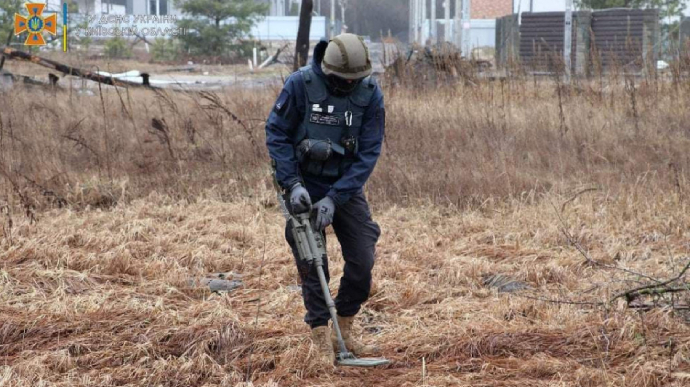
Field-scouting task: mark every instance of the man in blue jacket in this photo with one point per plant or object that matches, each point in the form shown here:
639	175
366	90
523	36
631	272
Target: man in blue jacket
324	134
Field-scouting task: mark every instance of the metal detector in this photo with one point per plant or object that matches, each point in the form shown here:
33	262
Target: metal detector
311	248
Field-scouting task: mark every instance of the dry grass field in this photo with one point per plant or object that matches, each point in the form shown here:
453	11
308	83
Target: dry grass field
114	205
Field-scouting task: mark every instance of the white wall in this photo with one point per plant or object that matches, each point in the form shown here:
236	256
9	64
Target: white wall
482	31
285	28
539	5
139	7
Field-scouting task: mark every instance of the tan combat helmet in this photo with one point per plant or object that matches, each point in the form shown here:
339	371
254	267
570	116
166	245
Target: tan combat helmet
347	57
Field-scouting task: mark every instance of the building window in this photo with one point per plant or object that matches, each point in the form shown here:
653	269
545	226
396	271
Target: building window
162	7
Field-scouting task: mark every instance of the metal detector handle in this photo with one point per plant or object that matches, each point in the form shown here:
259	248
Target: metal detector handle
298	223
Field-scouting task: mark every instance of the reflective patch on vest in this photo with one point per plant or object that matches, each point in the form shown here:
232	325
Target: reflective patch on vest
317	108
324	119
330	108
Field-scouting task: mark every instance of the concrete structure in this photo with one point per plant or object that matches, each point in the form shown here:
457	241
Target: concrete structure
507	40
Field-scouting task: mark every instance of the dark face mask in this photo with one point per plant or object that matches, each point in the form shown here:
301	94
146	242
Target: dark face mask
341	87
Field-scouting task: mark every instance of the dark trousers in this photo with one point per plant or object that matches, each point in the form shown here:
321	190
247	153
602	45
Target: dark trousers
357	234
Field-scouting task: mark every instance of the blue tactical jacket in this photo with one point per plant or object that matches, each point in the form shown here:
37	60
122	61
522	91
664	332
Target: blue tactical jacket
287	114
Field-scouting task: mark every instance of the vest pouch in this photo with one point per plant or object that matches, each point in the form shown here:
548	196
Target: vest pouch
315	150
331	167
321	157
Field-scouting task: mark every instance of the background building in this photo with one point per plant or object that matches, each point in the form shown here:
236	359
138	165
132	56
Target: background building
491	9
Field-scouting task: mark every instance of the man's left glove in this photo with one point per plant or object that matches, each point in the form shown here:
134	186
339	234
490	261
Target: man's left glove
324	208
300	202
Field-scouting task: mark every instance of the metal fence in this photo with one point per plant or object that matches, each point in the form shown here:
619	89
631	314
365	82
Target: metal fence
602	40
541	41
627	38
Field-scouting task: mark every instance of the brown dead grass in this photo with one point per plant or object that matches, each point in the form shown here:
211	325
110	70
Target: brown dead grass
103	231
102	298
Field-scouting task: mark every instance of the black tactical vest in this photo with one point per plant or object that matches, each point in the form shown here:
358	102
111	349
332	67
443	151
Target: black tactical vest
327	139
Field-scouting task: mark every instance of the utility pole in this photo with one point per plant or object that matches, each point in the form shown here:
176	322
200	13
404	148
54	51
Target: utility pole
446	25
410	26
434	27
416	21
420	35
425	31
457	24
568	38
332	19
302	47
343	27
466	33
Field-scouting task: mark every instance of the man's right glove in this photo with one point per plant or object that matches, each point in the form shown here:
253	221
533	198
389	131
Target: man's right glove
300	202
325	208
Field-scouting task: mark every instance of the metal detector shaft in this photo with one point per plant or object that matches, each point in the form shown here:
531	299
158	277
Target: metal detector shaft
318	253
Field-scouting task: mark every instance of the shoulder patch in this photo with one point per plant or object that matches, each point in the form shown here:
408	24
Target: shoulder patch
282	101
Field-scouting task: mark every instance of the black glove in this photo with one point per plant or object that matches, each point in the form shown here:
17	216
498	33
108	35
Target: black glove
324	208
300	202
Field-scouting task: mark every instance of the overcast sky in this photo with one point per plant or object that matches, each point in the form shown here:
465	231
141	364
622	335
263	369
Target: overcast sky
554	5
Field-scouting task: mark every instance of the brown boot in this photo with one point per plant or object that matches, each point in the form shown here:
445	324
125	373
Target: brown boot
324	346
353	345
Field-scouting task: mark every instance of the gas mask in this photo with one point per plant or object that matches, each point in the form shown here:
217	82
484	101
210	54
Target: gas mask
341	87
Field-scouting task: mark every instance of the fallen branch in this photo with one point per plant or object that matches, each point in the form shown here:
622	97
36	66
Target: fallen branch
590	260
594	262
646	307
560	302
655	289
272	59
68	70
